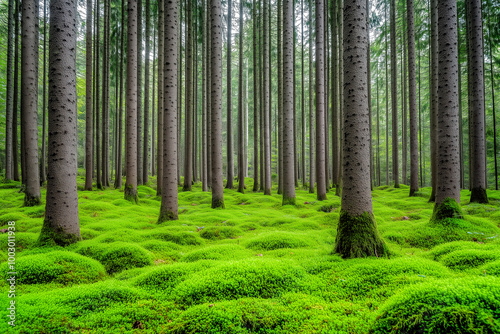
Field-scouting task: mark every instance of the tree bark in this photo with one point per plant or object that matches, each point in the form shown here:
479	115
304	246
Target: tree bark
131	103
15	145
204	162
61	225
255	102
139	93
29	100
216	100
312	167
357	234
43	153
241	136
169	202
88	101
118	176
188	156
335	101
320	102
145	151
475	76
266	112
394	98
280	96
229	124
9	105
434	97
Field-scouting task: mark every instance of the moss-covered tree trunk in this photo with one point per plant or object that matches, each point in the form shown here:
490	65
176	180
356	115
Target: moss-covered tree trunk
169	205
357	234
61	224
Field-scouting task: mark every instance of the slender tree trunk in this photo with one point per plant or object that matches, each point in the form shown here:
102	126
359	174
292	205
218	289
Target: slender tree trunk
153	110
229	124
320	101
394	98
169	202
241	130
357	234
216	100
139	93
145	158
493	99
476	102
61	225
15	146
386	101
98	90
335	101
209	95
188	156
302	101
312	167
255	102
131	102
369	79
434	97
118	177
327	109
295	132
448	177
378	131
340	19
404	109
280	97
105	97
288	115
413	99
9	107
204	163
266	111
88	101
43	153
29	100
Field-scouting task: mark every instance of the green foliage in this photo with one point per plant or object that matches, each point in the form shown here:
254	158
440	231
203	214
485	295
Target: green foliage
220	232
462	306
121	256
180	238
278	240
246	278
60	267
469	258
217	252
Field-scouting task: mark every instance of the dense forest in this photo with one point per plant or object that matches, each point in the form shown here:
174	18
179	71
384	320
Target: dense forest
251	166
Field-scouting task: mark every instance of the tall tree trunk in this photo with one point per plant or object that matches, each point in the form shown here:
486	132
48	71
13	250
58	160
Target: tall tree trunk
261	100
288	115
15	146
145	150
493	100
413	99
9	107
280	97
266	112
357	234
340	26
97	130
369	80
209	95
476	102
448	177
204	108
105	97
216	100
188	156
88	101
153	110
43	153
326	89
312	167
255	102
386	100
394	98
335	101
169	202
378	131
118	177
404	109
241	130
161	90
434	97
295	132
320	101
229	123
139	92
131	102
29	100
61	225
302	101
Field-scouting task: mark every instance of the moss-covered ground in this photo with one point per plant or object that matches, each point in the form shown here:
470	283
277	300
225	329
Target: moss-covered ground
253	267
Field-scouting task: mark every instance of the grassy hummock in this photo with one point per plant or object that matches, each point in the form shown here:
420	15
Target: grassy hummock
448	209
357	236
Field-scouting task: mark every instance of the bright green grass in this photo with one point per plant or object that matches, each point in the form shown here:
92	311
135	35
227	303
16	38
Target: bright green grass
255	267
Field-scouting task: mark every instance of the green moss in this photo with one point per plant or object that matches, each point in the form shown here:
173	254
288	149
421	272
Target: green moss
56	236
31	200
469	258
357	236
57	266
462	306
220	232
449	208
278	240
478	195
180	238
288	200
218	252
120	256
166	215
131	194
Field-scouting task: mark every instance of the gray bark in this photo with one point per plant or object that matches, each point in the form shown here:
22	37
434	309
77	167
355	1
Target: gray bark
229	134
88	101
9	105
434	97
394	98
241	130
413	99
188	156
266	94
145	150
161	53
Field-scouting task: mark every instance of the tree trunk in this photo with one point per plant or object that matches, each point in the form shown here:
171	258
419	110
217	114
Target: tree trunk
97	130
229	124
302	101
340	18
448	177
153	120
209	96
88	101
386	101
357	234
15	146
475	76
378	132
335	101
312	167
280	97
105	98
216	100
9	107
169	205
320	101
61	225
241	136
118	177
266	113
288	133
43	153
394	97
434	97
161	53
493	100
29	100
413	99
255	103
188	156
139	92
131	102
145	158
204	163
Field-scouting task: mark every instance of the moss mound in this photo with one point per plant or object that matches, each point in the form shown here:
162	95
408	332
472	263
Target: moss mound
120	256
247	278
449	209
220	232
218	252
461	306
180	238
492	268
469	258
277	241
61	267
441	250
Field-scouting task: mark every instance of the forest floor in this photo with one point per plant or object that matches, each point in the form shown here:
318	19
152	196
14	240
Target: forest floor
254	267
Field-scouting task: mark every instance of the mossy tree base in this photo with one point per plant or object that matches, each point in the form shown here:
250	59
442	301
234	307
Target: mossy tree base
432	198
357	236
167	216
448	209
288	200
478	195
131	194
218	204
51	236
30	200
321	197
